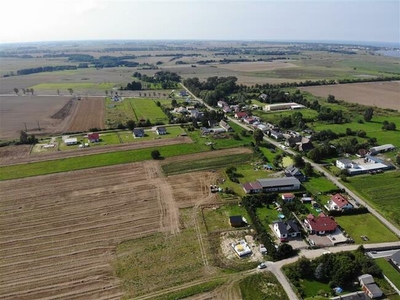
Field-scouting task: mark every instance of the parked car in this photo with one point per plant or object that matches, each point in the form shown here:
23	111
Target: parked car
262	266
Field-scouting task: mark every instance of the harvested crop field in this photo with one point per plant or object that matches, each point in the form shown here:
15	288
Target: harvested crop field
89	113
15	111
256	66
380	94
59	232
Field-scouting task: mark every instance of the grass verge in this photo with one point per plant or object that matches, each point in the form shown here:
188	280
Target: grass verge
389	271
262	286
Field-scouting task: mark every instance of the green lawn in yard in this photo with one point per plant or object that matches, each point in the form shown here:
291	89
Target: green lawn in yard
389	271
287	161
251	172
110	138
76	86
275	117
318	184
218	219
312	287
147	109
368	225
381	191
268	215
262	286
92	161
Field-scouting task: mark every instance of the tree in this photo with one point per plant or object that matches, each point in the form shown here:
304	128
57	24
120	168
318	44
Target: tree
298	161
398	159
258	136
16	91
331	99
58	92
174	103
368	113
314	154
361	133
131	124
71	91
308	170
106	92
32	91
155	154
24	91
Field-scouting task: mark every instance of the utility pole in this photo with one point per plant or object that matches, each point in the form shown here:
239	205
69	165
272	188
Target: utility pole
26	129
38	125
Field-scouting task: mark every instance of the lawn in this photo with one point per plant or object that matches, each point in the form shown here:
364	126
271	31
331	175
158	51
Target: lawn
173	131
155	262
110	138
318	184
267	215
368	225
312	288
389	271
251	172
147	109
381	191
206	164
262	286
217	219
92	161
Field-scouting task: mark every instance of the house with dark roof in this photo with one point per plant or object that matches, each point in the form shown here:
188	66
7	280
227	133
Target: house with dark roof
369	286
395	259
284	230
161	130
225	125
276	134
94	137
292	171
320	225
339	202
226	109
138	132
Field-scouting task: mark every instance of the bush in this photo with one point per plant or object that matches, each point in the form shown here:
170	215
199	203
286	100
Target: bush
155	154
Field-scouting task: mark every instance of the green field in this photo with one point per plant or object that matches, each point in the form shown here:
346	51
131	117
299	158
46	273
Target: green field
389	271
381	191
206	164
218	219
318	184
262	286
76	86
91	161
159	261
368	225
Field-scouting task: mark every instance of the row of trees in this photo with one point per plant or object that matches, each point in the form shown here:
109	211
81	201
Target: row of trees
24	91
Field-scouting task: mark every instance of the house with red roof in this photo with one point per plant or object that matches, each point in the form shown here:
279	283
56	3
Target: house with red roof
339	202
320	225
94	137
240	115
288	197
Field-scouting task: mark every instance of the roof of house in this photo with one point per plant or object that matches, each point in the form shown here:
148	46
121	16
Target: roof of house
366	279
382	148
137	131
288	195
241	114
292	170
339	200
396	257
322	222
93	136
345	161
287	227
161	129
374	289
272	182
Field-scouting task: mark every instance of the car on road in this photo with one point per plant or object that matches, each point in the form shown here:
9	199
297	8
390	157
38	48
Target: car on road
261	266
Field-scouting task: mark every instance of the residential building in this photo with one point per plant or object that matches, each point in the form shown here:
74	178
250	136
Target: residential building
320	225
369	286
226	109
395	259
225	125
339	202
94	137
283	106
379	149
343	163
240	115
284	230
276	134
161	130
292	171
288	197
70	141
221	104
138	132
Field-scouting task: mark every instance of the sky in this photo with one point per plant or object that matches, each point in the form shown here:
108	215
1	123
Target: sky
278	20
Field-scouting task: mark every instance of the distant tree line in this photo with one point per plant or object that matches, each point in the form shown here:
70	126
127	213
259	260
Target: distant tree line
45	69
166	79
104	61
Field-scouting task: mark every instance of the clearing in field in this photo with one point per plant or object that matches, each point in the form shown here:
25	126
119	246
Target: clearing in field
380	94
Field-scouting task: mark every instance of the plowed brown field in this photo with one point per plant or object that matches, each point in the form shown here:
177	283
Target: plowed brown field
89	113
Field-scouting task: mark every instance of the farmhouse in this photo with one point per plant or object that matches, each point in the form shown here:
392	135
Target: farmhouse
221	104
70	141
287	229
380	149
226	109
276	134
343	163
161	130
292	171
288	197
138	133
369	286
272	185
320	225
241	115
339	203
283	106
241	248
225	125
93	137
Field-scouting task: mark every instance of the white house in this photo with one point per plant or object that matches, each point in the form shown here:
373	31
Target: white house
285	230
339	202
343	163
70	141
